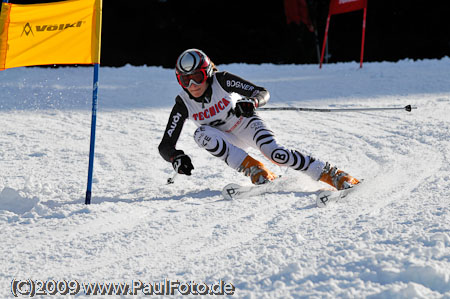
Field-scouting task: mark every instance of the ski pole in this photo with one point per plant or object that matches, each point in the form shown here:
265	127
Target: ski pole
172	179
407	108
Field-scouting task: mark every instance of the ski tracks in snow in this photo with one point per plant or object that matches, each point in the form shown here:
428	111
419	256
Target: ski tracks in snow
398	156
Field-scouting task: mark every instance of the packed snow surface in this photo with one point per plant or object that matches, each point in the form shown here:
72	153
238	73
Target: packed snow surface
389	239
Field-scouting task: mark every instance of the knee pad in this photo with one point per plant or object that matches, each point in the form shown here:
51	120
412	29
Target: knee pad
203	136
218	145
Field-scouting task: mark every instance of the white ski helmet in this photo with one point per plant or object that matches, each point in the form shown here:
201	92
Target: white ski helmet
193	67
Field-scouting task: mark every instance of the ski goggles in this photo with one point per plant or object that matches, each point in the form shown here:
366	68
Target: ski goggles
197	78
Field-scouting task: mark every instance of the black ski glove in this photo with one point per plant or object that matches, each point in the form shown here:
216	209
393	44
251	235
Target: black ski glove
245	107
182	164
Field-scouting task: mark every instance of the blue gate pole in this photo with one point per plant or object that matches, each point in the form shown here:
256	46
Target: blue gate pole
93	125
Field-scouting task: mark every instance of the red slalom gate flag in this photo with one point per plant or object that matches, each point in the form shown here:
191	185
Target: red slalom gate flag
343	6
297	12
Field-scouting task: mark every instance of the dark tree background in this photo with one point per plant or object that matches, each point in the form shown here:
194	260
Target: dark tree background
155	32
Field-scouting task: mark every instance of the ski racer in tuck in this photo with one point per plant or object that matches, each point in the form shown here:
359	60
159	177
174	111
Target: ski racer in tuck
222	105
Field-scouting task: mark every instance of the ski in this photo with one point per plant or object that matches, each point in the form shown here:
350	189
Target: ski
325	197
236	191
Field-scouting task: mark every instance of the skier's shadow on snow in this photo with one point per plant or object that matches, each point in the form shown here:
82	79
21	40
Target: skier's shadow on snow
202	194
302	196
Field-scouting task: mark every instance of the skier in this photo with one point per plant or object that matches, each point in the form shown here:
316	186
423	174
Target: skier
223	105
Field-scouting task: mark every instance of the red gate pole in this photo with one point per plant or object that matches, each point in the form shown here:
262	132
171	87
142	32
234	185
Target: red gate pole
363	36
325	39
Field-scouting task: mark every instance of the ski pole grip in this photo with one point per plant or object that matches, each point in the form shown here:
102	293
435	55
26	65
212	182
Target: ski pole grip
409	108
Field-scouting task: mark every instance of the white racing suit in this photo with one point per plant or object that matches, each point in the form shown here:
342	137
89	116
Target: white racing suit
223	134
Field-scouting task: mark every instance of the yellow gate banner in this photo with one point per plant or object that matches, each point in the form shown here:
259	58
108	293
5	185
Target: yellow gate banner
66	32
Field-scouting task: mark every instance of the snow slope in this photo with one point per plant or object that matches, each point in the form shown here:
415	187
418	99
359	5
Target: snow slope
390	239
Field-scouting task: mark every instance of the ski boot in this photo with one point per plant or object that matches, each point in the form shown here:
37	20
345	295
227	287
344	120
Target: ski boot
337	178
257	172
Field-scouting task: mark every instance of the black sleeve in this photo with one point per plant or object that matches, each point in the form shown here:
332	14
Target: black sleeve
173	129
233	83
